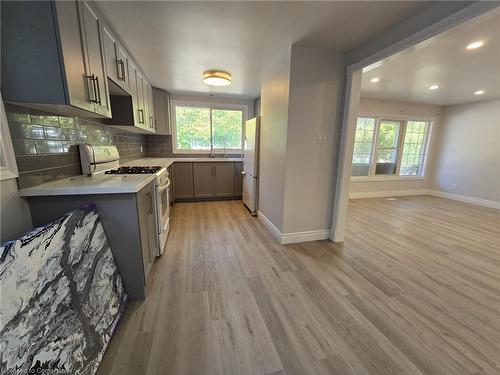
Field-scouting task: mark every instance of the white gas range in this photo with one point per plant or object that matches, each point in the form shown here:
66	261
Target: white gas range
106	160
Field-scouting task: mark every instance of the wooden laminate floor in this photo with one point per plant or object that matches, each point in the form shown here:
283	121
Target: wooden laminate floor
415	289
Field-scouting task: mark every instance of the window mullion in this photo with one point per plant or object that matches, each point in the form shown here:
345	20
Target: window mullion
402	135
373	161
211	132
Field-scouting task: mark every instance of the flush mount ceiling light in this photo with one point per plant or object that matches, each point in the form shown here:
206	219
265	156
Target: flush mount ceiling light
475	44
374	80
433	87
217	78
479	92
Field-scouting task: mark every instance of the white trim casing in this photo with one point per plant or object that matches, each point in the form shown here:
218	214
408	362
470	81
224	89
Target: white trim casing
211	105
388	193
296	237
465	199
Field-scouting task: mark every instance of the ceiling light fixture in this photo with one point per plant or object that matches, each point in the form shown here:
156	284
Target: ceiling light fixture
479	92
433	87
217	78
475	45
374	80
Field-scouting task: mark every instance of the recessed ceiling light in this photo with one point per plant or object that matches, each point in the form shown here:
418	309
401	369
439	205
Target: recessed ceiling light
217	78
475	44
479	92
374	80
433	87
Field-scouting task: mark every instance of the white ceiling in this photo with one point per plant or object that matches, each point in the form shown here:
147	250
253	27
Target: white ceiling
444	61
174	42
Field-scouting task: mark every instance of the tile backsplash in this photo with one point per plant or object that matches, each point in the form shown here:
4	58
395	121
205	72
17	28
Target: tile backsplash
45	144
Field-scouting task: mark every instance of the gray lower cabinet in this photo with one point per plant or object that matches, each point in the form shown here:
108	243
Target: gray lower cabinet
223	179
52	57
183	180
238	178
205	180
129	223
203	176
147	227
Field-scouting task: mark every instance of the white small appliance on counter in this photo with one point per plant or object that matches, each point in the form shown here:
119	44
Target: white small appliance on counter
106	160
251	164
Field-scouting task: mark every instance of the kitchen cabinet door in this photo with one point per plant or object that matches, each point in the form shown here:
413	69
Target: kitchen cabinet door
147	227
183	180
96	68
140	99
149	109
238	179
116	59
203	180
224	179
161	110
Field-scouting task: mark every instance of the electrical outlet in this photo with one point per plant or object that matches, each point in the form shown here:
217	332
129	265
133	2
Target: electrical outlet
321	138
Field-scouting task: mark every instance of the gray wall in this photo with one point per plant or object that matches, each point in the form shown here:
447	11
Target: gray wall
275	89
468	150
45	144
317	81
15	216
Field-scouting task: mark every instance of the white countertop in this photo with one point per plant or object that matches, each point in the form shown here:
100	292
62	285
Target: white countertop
167	162
109	184
96	184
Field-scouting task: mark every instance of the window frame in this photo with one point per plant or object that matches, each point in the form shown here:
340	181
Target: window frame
403	119
211	106
9	170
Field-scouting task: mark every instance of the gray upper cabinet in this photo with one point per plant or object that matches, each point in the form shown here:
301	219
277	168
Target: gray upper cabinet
161	103
52	58
96	66
224	179
117	60
203	180
183	180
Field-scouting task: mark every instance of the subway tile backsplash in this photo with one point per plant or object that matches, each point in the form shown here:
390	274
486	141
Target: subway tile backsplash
46	145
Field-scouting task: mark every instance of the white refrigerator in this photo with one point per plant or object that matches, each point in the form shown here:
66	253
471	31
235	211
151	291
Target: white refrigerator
251	164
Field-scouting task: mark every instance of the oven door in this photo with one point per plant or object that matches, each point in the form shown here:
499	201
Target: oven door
163	210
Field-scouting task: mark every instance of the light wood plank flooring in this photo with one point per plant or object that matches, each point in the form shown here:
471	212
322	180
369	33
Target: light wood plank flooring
415	289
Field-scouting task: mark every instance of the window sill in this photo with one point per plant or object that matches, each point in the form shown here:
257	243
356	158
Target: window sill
385	178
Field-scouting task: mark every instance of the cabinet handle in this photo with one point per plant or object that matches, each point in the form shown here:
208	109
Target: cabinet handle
141	116
121	68
243	173
150	203
156	124
151	122
98	89
92	98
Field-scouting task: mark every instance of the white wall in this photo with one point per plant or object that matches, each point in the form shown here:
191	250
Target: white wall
376	107
317	80
275	88
15	216
468	151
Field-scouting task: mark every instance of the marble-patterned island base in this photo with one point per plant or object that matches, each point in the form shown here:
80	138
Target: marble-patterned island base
61	297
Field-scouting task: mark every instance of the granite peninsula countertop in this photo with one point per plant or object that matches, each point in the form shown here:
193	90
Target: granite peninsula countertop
110	184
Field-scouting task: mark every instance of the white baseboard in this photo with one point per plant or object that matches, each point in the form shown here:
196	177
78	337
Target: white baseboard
387	193
435	193
286	238
465	199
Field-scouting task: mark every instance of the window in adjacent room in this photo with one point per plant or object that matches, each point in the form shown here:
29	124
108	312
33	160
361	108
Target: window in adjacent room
390	147
199	128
